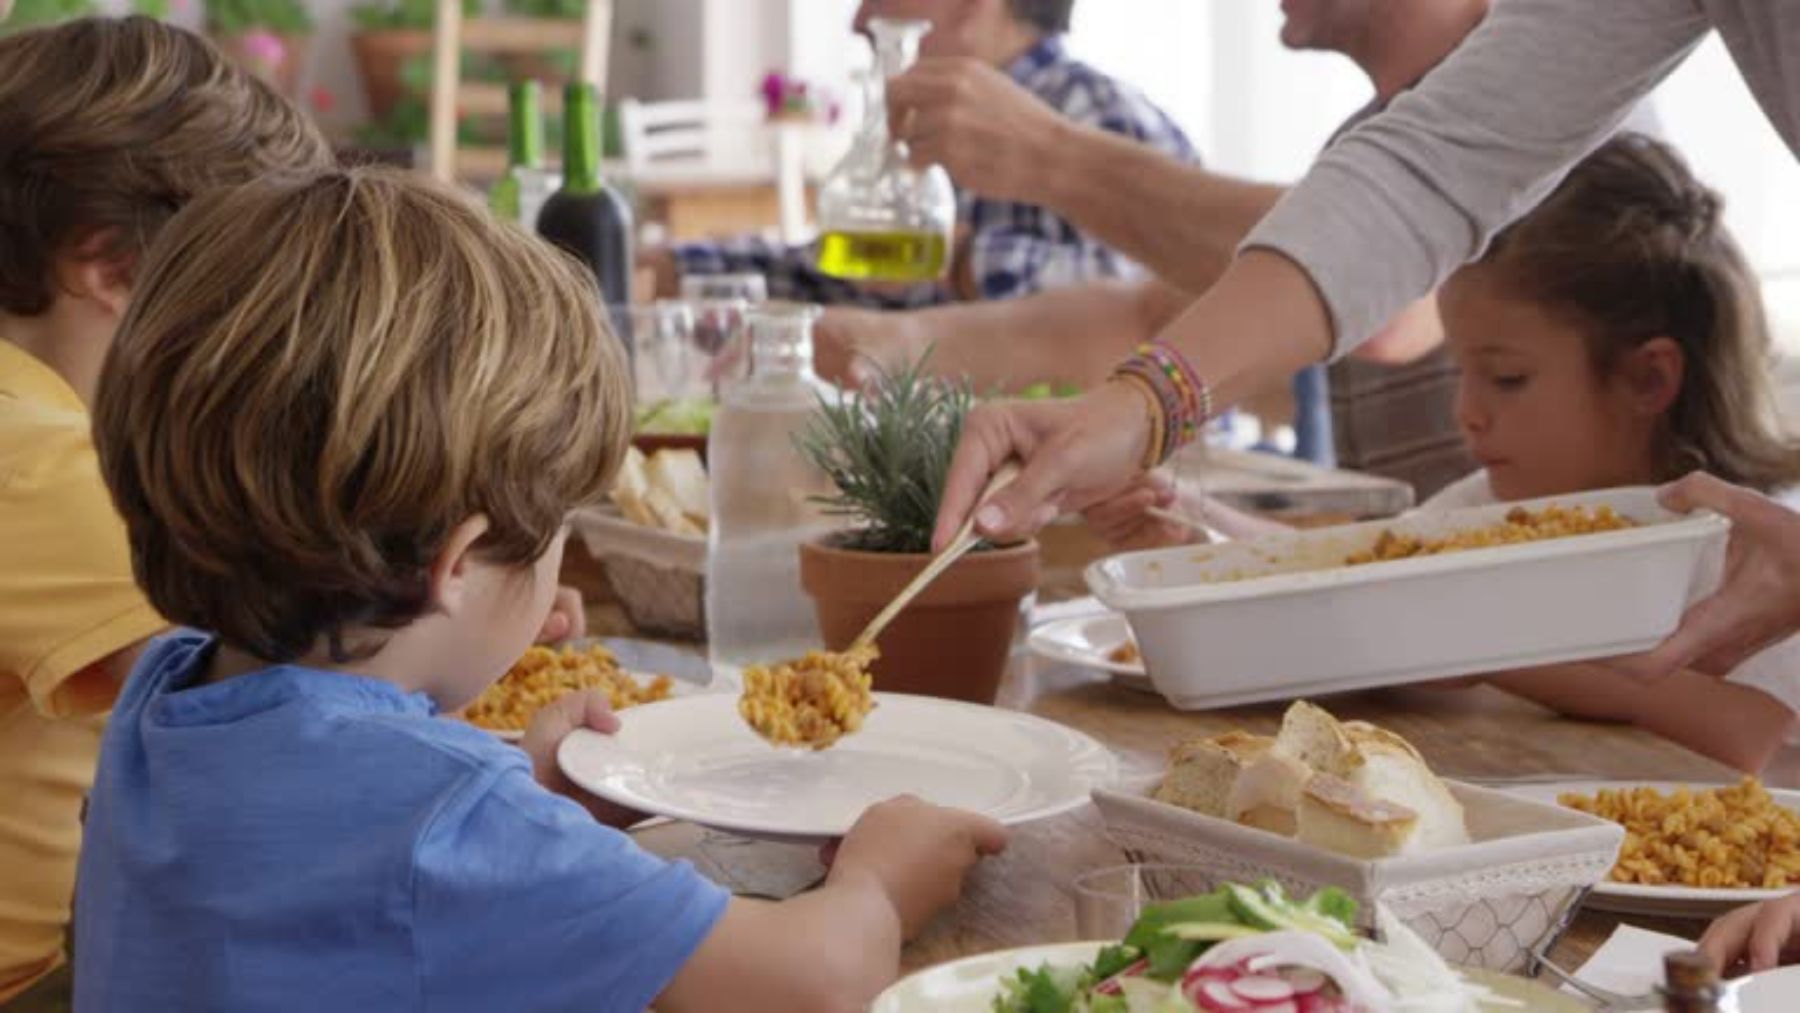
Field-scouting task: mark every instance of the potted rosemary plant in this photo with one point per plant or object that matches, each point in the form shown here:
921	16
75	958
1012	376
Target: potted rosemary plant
888	453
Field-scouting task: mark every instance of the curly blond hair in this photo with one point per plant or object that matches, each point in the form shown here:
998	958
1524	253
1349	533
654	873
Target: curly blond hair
320	377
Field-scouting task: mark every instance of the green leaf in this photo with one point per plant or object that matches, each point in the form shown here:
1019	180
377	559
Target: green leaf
1114	959
888	453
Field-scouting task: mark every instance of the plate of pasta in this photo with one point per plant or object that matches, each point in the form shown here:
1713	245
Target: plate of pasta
1101	641
696	759
1690	850
543	674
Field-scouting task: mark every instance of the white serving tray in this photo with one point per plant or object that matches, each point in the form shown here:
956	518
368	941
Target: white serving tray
1487	903
1299	624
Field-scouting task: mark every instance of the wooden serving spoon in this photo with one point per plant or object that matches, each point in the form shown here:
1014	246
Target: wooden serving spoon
965	539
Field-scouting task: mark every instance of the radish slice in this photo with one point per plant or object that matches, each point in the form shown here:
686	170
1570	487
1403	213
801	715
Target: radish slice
1261	989
1280	1007
1305	980
1219	995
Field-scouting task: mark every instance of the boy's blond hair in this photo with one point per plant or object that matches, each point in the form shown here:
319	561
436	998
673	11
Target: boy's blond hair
320	377
108	126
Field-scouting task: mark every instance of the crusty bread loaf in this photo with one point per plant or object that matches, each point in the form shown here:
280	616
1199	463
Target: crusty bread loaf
1266	794
1203	770
1392	769
1338	816
1311	735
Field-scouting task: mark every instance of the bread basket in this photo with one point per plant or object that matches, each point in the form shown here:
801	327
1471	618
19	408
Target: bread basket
658	576
1486	904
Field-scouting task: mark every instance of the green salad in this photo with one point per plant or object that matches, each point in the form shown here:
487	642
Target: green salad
677	416
1249	949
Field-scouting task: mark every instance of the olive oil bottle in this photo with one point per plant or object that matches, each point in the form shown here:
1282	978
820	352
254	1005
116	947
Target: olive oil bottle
883	256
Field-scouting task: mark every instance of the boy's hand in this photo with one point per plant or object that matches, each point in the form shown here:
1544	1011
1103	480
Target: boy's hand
1756	938
567	619
918	854
587	708
1126	524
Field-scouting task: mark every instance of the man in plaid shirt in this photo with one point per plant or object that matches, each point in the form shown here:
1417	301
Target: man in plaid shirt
1005	248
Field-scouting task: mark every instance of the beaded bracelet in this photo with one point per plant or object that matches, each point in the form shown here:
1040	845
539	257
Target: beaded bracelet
1185	400
1153	413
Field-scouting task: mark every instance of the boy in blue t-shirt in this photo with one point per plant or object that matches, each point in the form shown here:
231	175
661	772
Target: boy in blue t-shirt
344	422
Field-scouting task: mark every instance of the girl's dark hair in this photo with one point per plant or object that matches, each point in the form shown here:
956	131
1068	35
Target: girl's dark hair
1630	247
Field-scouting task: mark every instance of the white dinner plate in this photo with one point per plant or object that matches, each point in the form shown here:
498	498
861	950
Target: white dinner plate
970	985
1641	899
694	759
1776	991
1089	641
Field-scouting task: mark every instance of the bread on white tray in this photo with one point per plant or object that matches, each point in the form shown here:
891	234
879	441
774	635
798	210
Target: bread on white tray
1350	787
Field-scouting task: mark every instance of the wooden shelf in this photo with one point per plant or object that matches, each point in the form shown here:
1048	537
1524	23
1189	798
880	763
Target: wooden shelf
520	35
481	98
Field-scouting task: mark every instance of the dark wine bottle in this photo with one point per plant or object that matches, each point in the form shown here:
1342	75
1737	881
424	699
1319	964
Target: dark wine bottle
586	217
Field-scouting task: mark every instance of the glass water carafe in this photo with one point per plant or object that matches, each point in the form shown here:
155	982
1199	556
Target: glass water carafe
879	218
765	498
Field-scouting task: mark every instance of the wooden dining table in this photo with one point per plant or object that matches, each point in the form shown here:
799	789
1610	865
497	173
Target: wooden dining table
1024	896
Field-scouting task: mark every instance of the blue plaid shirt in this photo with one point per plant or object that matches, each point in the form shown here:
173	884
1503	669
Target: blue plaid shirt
1013	249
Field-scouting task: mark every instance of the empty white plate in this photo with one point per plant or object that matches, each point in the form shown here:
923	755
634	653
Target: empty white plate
1090	641
694	759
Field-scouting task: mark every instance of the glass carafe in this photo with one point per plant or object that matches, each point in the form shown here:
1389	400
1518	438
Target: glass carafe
765	498
879	218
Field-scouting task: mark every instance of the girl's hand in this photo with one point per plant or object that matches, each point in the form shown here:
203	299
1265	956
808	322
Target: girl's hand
1075	453
1755	938
1125	522
588	709
1759	602
567	619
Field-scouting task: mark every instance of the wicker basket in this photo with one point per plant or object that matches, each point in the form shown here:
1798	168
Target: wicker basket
1489	904
659	577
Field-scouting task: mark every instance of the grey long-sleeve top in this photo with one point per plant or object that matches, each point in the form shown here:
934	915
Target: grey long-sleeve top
1397	204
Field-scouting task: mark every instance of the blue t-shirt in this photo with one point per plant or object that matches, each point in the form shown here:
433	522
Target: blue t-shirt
295	839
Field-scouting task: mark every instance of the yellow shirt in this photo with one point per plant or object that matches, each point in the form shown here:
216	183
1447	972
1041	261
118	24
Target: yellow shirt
67	601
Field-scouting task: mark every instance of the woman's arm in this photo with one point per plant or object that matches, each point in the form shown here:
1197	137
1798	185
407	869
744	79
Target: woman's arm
1398	203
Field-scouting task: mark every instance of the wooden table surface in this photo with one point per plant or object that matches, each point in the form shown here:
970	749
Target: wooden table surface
1023	897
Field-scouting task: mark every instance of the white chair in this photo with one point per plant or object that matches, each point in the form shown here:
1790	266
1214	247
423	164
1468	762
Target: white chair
724	139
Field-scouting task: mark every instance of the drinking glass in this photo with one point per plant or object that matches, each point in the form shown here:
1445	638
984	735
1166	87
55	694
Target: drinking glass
1109	900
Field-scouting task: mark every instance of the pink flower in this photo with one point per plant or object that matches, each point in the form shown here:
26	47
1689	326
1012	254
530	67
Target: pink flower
265	47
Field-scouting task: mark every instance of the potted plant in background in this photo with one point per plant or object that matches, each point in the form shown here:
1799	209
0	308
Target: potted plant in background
888	453
269	38
389	34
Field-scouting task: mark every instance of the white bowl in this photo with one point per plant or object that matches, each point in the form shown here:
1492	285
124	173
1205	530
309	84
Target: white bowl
1297	623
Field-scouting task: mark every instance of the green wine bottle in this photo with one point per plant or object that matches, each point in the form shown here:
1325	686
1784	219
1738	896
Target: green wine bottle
524	150
586	217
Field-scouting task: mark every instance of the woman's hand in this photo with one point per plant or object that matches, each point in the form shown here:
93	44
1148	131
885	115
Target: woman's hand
1759	602
1074	454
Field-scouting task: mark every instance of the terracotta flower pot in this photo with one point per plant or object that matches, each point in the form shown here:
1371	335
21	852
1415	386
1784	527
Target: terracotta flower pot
953	641
380	55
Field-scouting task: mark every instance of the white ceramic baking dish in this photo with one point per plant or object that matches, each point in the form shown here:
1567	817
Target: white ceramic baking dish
1297	623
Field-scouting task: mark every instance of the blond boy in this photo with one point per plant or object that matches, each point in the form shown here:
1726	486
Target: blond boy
106	128
345	422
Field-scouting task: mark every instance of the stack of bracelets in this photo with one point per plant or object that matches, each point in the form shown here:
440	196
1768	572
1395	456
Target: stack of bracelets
1179	401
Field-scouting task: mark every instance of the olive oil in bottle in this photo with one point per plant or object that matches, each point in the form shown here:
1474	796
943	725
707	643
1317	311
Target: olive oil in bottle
886	256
